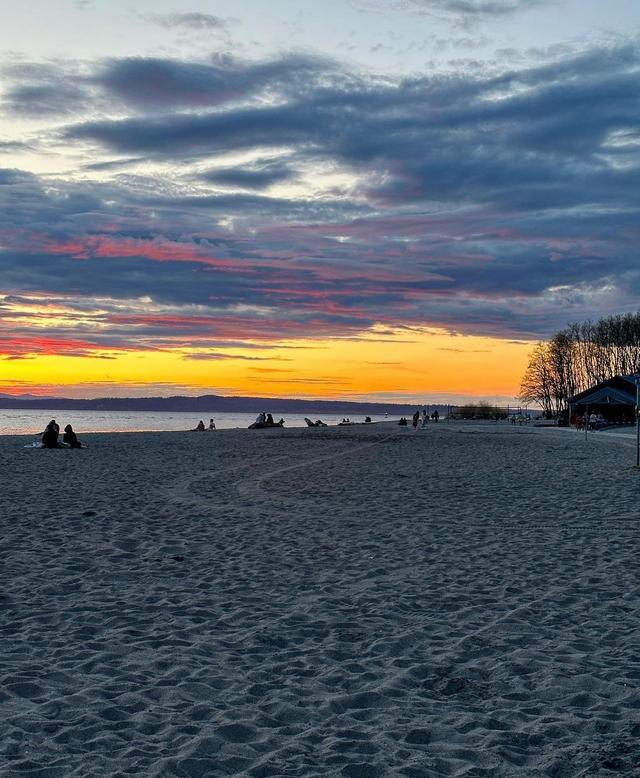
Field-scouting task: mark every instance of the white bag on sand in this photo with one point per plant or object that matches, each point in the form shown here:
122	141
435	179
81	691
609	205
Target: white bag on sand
38	444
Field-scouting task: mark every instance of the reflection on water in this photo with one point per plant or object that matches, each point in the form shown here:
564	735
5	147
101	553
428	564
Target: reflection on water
18	422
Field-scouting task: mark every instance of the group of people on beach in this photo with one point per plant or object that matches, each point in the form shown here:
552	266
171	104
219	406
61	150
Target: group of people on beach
264	418
201	428
420	418
52	433
594	421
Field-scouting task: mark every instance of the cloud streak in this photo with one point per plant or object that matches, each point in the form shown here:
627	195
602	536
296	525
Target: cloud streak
190	21
464	13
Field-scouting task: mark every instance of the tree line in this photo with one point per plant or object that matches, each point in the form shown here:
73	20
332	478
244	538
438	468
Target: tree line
579	356
480	410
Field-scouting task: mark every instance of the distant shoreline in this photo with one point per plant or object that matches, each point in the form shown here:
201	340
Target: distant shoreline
209	404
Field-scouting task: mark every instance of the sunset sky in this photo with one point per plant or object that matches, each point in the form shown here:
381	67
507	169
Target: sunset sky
358	199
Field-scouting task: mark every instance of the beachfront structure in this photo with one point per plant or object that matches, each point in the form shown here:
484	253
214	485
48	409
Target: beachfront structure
615	399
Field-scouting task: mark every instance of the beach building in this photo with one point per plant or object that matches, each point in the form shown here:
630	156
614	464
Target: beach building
615	399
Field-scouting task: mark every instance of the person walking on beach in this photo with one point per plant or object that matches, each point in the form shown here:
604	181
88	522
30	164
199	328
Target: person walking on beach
425	419
416	419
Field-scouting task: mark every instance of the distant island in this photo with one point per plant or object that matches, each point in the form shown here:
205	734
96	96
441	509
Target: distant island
209	403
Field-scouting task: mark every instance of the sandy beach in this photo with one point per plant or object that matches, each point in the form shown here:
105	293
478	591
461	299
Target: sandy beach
362	601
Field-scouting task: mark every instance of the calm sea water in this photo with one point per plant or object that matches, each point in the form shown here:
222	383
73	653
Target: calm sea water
32	422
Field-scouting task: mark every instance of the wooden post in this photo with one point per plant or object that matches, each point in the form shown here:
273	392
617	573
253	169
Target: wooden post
637	423
586	422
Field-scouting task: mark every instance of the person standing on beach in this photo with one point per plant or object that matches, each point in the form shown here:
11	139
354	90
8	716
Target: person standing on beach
416	419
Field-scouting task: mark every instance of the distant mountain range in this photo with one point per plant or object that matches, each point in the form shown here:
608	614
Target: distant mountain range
208	403
22	397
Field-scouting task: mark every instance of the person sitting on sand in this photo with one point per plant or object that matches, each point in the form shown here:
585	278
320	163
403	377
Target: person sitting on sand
50	435
212	424
70	437
269	419
403	422
200	427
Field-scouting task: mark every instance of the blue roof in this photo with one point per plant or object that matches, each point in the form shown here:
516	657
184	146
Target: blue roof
619	390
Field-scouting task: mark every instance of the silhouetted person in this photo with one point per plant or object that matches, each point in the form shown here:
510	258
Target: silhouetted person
200	427
71	438
416	418
212	424
50	435
269	419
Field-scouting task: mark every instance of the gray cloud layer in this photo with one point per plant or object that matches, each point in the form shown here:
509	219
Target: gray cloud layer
501	205
191	21
464	13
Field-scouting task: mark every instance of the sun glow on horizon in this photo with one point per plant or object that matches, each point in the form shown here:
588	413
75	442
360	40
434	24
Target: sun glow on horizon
377	364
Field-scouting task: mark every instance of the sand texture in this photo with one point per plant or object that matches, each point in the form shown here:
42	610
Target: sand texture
365	601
